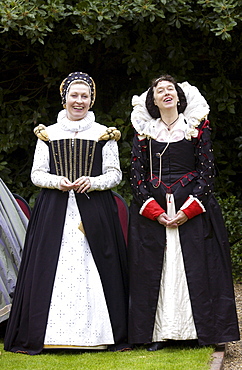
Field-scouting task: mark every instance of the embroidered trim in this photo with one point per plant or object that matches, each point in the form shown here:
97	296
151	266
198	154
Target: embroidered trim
200	130
193	173
75	156
80	153
66	150
70	146
93	147
86	159
152	210
145	204
189	201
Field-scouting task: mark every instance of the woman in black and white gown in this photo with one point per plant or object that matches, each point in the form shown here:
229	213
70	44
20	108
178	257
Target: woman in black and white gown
72	286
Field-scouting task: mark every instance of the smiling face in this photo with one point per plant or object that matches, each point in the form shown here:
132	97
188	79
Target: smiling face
165	96
78	101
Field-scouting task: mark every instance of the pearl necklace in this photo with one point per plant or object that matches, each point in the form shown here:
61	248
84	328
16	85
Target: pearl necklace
168	126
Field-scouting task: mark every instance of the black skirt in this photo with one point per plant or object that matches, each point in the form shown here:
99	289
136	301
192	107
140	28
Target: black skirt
29	314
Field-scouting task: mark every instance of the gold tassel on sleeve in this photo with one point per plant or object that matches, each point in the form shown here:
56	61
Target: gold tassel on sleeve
111	134
41	133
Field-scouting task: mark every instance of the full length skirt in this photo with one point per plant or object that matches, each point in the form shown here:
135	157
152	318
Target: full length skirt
174	319
39	270
206	256
78	314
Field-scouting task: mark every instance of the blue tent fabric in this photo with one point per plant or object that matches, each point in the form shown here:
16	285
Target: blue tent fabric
13	225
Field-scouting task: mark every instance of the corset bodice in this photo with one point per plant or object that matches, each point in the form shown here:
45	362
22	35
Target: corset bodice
74	158
177	160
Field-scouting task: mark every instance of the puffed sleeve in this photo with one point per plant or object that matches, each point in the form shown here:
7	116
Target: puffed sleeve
205	164
196	203
112	174
139	171
40	175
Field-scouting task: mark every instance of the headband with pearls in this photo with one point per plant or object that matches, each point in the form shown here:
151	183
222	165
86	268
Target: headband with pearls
78	77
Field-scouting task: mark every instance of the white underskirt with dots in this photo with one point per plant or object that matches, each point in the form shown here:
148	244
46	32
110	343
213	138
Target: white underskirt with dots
78	314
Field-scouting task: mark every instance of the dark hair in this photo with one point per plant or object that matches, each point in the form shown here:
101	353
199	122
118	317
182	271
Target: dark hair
152	108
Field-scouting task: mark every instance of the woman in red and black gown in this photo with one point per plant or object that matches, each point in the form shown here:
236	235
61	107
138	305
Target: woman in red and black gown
181	284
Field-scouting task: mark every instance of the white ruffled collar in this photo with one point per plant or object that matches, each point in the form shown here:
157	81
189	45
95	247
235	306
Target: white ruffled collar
158	131
81	125
197	109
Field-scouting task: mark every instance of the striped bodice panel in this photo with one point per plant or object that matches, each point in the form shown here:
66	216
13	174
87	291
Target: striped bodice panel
74	158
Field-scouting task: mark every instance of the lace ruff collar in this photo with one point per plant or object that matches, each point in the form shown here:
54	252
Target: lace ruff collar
197	109
81	125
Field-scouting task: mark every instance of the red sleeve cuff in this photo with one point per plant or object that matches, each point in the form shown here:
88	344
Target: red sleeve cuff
151	210
192	207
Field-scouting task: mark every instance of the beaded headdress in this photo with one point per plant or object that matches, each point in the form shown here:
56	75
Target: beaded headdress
78	77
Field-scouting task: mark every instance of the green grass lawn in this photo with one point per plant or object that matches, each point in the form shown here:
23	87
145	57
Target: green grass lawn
170	358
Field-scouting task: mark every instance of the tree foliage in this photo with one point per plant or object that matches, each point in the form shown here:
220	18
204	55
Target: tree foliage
232	214
122	45
96	20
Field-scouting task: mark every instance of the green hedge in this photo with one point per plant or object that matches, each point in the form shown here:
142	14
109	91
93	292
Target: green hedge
232	213
122	44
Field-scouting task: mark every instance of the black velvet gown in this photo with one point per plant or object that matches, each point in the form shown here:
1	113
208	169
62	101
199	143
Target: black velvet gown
187	169
28	319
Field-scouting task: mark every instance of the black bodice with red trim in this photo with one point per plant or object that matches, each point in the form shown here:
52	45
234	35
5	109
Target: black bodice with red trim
186	162
177	162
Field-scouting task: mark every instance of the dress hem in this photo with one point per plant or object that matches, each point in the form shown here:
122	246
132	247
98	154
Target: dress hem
98	347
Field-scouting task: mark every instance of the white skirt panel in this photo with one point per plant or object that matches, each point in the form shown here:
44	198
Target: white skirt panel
78	314
174	319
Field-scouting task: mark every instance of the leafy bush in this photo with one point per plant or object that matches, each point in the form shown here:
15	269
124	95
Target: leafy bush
122	44
232	213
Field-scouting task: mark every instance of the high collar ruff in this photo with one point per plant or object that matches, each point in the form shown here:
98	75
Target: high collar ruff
81	125
196	110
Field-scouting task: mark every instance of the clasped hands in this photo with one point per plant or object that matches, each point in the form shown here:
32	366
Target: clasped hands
179	219
80	185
